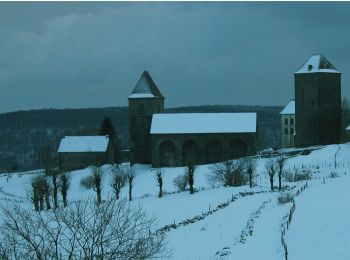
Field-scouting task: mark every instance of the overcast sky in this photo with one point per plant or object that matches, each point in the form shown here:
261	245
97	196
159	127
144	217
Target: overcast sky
70	55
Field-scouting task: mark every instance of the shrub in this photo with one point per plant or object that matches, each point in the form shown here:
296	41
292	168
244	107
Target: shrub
303	175
284	198
298	175
181	182
288	176
333	175
229	173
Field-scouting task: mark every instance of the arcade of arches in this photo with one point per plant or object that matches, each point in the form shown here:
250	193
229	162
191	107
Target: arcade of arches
179	150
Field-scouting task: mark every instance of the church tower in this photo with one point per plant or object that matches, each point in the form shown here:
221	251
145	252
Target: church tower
317	103
144	101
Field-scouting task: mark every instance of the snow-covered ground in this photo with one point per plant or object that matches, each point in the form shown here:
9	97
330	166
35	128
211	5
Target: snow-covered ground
249	225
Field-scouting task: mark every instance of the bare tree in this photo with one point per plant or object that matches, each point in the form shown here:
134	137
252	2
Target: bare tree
280	160
250	169
94	181
84	230
64	187
271	170
130	175
54	189
118	180
160	182
39	192
190	172
229	173
47	192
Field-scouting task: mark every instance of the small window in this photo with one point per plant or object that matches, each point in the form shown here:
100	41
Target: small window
286	121
292	131
292	121
285	131
309	68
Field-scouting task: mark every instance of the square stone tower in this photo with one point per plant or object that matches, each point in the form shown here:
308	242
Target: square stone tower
317	103
144	101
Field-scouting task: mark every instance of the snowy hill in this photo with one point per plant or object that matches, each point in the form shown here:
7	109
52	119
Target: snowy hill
236	222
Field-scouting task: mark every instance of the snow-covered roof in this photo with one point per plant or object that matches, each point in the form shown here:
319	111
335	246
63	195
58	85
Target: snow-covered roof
348	128
79	144
203	123
317	63
289	109
146	88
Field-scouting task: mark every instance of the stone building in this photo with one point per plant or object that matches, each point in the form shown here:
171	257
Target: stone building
77	152
288	125
144	101
317	103
200	138
177	139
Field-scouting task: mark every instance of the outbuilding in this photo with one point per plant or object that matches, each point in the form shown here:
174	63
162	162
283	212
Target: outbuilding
77	152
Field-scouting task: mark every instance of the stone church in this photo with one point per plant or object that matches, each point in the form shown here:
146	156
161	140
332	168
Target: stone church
317	103
164	139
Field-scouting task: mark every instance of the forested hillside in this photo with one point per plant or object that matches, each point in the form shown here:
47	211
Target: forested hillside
24	134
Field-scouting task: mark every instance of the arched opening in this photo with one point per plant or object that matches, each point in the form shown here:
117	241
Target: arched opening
213	151
167	153
189	153
238	149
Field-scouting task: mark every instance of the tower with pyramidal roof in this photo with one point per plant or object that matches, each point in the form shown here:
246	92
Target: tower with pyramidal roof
144	101
317	103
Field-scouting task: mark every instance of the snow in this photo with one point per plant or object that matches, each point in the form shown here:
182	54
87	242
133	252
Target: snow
289	109
322	219
202	123
348	128
247	228
314	61
71	144
141	95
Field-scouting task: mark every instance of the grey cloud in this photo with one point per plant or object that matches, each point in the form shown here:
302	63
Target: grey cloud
91	55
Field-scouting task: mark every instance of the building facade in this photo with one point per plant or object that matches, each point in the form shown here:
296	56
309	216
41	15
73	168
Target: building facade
317	103
179	139
144	101
77	152
287	116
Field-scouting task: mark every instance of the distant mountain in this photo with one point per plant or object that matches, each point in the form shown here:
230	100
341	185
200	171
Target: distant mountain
24	134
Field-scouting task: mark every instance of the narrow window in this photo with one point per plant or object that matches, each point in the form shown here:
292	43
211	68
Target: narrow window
292	131
286	121
291	121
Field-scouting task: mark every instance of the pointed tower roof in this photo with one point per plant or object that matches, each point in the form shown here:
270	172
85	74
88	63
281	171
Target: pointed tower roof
317	63
146	88
289	109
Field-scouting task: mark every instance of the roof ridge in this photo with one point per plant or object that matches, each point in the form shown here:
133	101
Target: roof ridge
146	85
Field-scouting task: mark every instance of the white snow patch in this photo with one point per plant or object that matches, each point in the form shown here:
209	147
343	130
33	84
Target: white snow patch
200	123
289	109
70	144
141	95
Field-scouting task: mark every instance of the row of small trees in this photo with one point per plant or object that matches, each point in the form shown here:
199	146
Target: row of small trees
42	189
121	175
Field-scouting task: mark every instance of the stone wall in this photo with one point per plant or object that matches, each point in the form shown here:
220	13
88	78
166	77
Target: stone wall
80	160
317	108
181	149
140	119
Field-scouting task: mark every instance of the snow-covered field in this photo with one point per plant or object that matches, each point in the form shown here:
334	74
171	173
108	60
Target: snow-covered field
248	226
